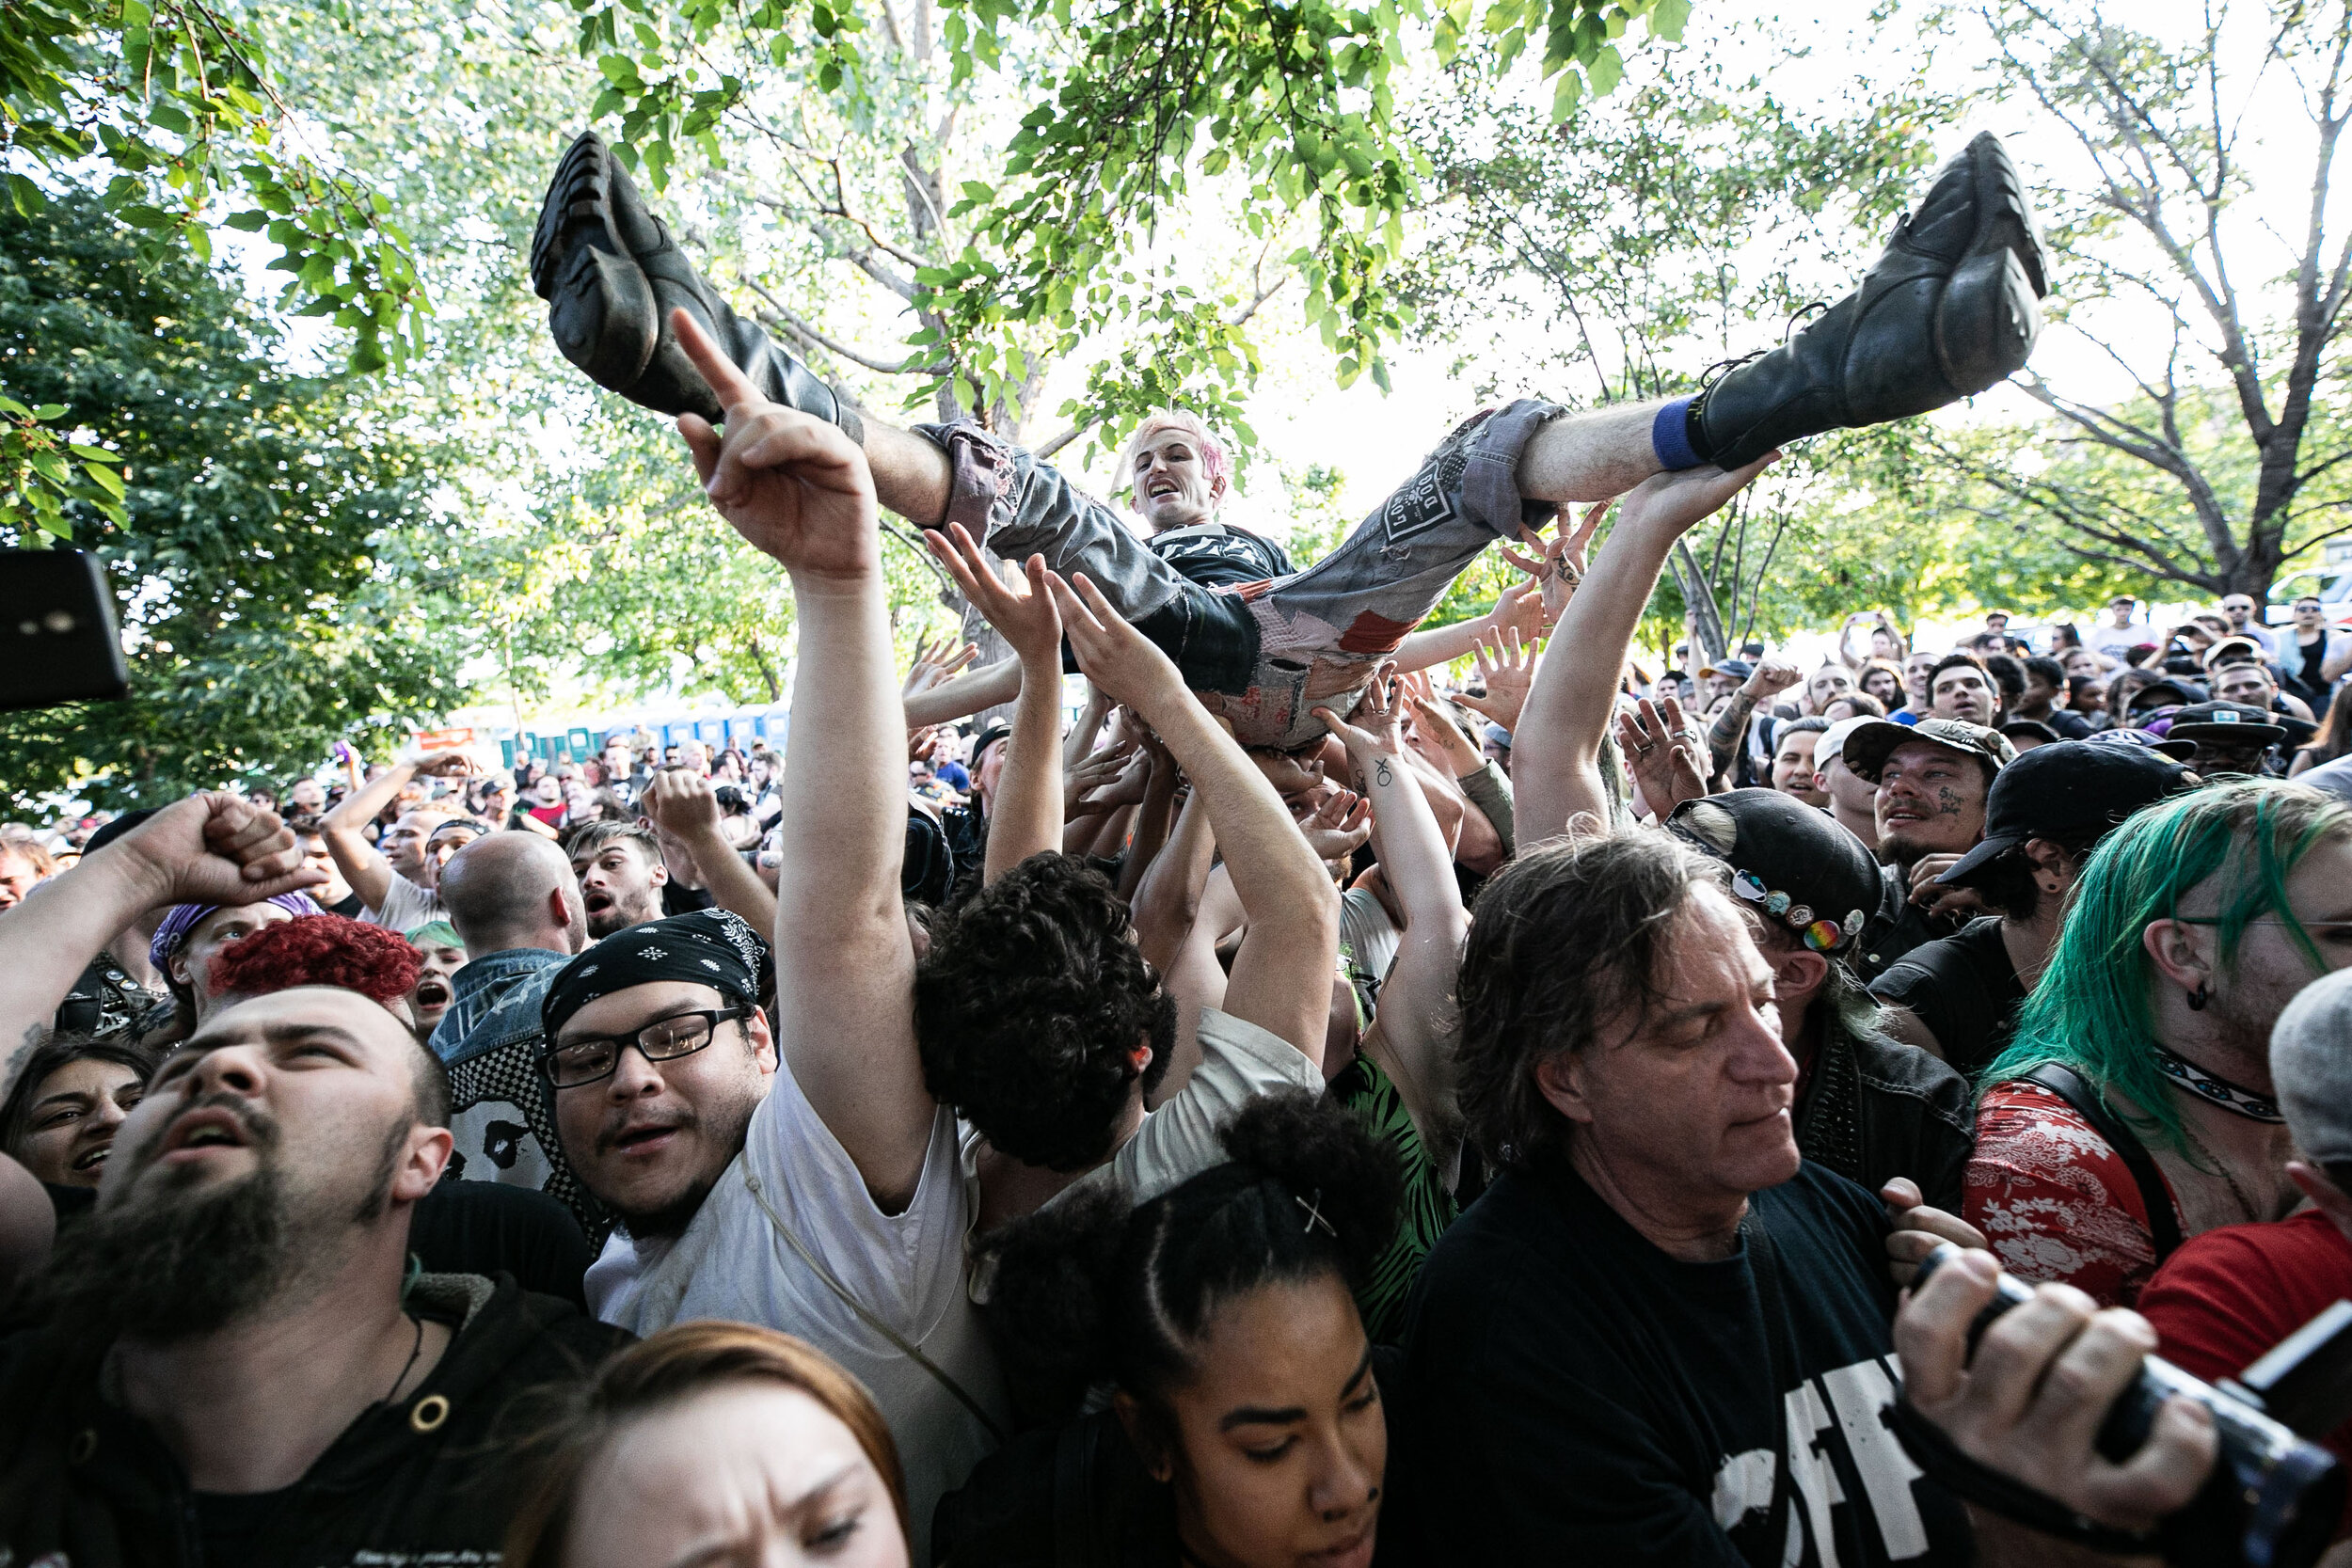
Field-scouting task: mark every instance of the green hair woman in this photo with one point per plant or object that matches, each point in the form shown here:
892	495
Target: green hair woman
2134	1107
444	954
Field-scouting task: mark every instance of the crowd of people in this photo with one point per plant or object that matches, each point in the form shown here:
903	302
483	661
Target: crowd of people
1359	1094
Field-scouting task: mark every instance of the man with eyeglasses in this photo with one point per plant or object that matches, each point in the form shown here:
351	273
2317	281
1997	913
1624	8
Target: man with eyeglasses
2135	1107
2239	611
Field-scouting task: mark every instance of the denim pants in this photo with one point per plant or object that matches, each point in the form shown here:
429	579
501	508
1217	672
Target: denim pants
1265	653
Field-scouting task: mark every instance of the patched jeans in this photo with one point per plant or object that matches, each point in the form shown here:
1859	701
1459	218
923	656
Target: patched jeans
1265	654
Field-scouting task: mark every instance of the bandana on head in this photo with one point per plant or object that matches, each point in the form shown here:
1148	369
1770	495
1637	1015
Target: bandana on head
709	948
172	934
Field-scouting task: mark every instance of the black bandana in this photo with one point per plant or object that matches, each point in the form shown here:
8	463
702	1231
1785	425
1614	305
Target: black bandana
709	948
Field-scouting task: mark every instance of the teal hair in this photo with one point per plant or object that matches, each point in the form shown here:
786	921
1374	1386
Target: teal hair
434	933
2090	1008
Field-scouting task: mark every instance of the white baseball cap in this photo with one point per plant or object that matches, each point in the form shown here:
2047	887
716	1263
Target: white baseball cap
1833	741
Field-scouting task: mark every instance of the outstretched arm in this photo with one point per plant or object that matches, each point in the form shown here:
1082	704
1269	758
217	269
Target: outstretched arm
209	848
1408	1034
965	695
1556	753
363	865
799	489
1025	815
1281	974
683	804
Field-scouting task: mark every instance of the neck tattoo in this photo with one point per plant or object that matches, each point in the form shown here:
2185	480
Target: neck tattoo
2216	1090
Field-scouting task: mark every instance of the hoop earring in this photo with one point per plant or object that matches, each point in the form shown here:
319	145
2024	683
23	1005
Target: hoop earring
2198	998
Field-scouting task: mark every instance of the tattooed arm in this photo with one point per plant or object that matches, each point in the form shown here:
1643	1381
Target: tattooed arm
209	848
1772	676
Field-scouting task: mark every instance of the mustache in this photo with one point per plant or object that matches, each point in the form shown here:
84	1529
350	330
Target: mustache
171	1265
260	1129
613	1132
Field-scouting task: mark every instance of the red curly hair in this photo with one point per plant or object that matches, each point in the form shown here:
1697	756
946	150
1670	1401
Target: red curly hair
318	950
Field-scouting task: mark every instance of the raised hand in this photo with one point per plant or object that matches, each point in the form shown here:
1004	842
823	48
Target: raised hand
1121	660
1678	501
1507	665
1559	564
1337	826
1662	755
1094	772
1376	743
932	665
795	486
1774	673
1438	738
216	849
1026	619
682	802
442	765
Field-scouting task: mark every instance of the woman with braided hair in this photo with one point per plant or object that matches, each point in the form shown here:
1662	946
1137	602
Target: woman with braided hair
1245	1427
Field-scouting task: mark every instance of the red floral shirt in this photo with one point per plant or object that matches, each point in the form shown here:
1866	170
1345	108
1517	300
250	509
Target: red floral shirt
2054	1197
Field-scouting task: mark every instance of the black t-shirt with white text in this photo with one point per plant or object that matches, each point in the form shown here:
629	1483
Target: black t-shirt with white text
1581	1396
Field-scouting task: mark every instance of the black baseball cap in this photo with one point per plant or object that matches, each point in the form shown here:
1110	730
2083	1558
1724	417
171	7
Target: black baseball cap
1791	863
109	832
2226	724
989	736
2064	789
2184	693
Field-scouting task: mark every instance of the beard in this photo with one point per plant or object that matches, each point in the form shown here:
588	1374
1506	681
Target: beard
174	1262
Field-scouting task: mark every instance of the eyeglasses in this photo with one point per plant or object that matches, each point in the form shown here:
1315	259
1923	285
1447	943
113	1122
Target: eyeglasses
665	1039
2315	926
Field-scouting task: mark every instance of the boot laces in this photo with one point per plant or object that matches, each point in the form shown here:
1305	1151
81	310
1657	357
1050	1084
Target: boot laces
1797	319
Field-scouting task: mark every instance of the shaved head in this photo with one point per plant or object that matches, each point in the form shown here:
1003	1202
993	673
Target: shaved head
505	890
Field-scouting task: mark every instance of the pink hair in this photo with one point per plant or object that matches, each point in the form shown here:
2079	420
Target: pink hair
1213	466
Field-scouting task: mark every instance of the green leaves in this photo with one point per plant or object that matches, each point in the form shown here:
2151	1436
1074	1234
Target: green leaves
177	98
41	468
281	575
1278	113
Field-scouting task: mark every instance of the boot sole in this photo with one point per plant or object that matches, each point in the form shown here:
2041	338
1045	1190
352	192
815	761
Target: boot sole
601	309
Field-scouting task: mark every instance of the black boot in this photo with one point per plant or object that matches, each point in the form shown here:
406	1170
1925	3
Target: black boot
611	274
1950	307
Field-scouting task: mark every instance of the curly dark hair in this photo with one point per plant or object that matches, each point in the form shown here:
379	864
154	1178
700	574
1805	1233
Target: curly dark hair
1089	1288
1028	1007
1560	938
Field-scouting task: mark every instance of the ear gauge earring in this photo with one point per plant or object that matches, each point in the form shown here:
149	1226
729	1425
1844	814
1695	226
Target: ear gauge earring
2198	998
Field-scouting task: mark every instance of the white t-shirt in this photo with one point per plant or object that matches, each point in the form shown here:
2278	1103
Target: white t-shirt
406	905
1239	1061
906	1269
2116	641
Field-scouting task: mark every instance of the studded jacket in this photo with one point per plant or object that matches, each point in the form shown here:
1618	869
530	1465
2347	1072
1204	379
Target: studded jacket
1871	1108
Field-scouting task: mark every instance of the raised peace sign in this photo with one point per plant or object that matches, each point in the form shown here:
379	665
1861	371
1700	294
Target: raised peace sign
792	485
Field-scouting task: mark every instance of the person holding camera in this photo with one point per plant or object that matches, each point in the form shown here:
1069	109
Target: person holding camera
2025	1407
